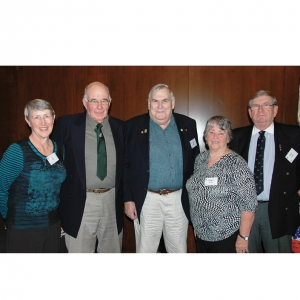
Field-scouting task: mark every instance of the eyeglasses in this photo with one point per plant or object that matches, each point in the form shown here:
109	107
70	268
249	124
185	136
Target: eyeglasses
95	102
264	106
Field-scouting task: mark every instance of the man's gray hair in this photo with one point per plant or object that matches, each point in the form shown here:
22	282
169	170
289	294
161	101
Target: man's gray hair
222	122
37	104
158	87
87	88
260	94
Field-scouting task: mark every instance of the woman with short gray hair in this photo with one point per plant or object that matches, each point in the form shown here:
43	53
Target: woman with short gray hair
31	173
222	193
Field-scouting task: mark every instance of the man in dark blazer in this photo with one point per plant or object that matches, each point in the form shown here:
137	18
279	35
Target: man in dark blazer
92	208
277	216
160	150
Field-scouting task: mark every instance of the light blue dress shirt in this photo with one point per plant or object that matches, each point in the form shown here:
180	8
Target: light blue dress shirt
269	158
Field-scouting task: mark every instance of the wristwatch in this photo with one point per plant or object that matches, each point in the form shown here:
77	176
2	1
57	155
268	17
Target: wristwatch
244	237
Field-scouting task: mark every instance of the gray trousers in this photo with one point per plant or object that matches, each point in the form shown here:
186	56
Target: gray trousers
261	234
98	222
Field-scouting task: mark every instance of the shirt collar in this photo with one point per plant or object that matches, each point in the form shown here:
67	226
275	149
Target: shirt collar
270	129
171	123
94	123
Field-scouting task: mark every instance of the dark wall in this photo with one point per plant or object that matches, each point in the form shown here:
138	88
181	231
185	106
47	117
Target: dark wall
200	93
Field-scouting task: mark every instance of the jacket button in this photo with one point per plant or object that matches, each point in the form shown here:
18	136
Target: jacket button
284	193
287	173
286	208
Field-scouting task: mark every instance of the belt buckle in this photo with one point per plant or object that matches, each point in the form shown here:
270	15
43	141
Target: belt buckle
161	192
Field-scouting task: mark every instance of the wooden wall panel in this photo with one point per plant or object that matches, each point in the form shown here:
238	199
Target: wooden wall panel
226	91
116	88
289	104
214	91
137	82
71	99
51	80
200	92
44	77
10	110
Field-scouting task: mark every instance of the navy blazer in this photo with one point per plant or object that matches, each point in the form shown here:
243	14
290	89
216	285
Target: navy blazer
70	131
284	199
136	158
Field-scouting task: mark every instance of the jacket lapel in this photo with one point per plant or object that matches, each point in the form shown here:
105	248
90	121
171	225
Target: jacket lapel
115	132
78	140
183	133
143	134
244	143
184	137
282	145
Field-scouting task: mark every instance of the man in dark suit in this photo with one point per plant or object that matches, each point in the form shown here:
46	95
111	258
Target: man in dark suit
91	206
277	216
160	150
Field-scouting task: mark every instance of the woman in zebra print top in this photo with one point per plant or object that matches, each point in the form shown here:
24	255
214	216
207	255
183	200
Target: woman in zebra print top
222	193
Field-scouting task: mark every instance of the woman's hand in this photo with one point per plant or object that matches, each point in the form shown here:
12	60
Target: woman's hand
247	219
241	245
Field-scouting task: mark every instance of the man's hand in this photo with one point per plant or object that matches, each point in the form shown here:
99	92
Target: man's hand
130	210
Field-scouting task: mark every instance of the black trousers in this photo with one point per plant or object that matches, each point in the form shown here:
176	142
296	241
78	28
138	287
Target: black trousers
34	240
224	246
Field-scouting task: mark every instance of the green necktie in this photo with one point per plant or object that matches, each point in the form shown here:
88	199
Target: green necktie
101	153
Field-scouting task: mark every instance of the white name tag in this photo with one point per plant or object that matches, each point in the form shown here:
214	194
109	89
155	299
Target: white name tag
193	143
291	155
52	159
211	181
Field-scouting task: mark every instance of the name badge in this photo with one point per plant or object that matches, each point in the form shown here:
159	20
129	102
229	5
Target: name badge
211	181
291	155
52	159
193	143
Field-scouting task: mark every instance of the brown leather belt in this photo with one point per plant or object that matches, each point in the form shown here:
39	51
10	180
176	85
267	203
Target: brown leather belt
98	191
163	191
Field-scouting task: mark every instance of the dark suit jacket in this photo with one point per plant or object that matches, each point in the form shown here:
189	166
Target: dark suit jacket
284	200
70	131
136	159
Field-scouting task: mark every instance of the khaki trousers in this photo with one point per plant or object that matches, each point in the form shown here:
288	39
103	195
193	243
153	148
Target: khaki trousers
161	213
98	222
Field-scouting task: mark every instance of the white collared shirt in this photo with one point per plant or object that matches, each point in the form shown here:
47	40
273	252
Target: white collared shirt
269	158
